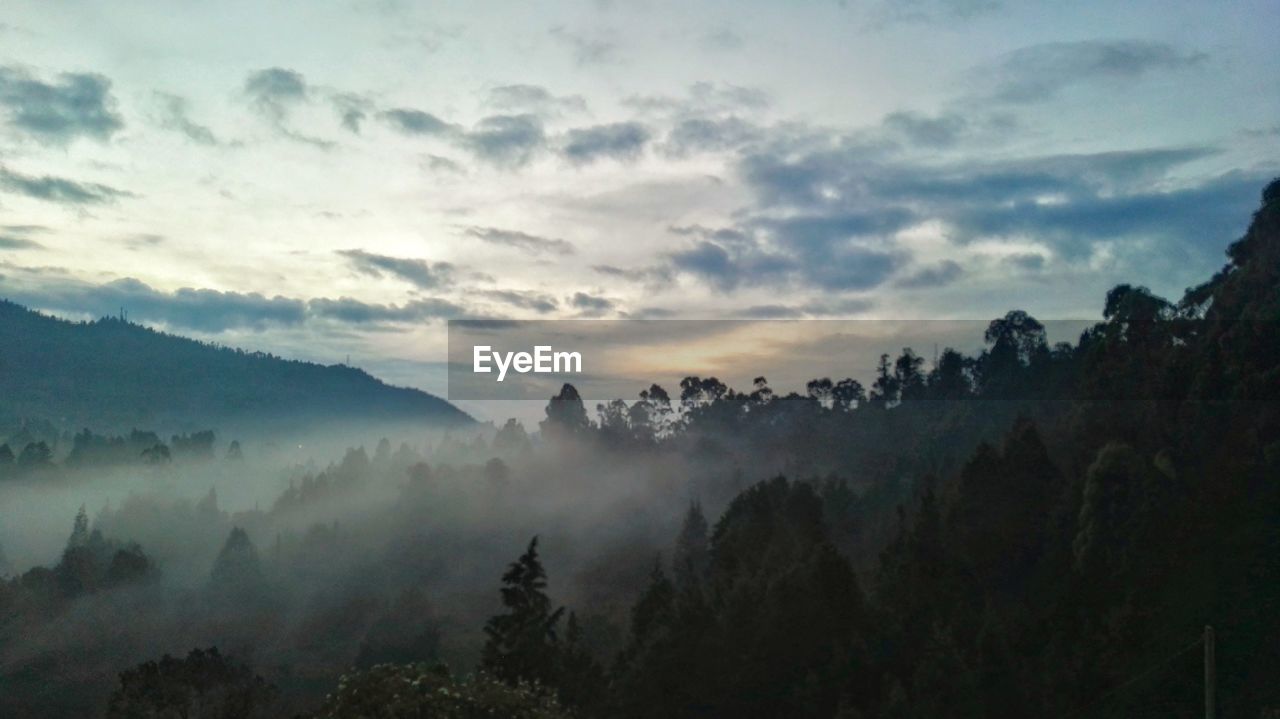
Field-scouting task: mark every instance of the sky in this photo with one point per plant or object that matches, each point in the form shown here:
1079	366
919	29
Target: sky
334	179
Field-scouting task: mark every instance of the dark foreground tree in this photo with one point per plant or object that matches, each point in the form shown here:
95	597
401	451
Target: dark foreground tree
204	685
422	691
522	642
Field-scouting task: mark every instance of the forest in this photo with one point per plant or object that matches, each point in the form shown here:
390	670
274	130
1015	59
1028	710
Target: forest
1034	530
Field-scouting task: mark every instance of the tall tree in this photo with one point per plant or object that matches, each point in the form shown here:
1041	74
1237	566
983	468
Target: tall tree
521	642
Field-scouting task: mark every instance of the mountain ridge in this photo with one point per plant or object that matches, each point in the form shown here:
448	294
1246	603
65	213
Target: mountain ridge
111	375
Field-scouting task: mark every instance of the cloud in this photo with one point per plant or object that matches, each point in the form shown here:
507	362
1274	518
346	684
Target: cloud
352	110
506	140
885	13
75	105
621	141
535	99
943	273
595	48
416	122
590	305
721	39
699	134
9	242
539	303
939	131
830	215
839	307
703	99
274	91
143	241
58	189
206	310
174	116
353	311
520	240
201	310
438	163
656	276
1039	72
420	273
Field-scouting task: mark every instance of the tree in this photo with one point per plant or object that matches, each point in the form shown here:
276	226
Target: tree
204	685
820	390
424	691
511	439
848	394
884	391
237	567
156	454
908	375
566	415
692	555
234	453
522	642
36	455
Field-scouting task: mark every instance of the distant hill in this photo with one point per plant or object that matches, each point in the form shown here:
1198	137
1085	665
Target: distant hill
112	375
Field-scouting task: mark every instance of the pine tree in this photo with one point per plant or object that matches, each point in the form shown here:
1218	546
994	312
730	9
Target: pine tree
691	557
522	642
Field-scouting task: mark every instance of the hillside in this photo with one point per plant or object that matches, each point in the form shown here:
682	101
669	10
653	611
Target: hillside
112	375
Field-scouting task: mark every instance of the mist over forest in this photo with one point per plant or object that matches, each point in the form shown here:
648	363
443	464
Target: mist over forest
1031	530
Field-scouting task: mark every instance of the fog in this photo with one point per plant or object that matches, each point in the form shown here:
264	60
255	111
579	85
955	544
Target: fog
348	529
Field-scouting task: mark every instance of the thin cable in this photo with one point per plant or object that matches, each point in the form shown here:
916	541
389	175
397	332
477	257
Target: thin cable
1142	675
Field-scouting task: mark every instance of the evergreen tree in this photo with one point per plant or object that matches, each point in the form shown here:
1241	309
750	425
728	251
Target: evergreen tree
522	643
691	556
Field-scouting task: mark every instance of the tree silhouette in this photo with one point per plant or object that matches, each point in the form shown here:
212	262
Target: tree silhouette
522	643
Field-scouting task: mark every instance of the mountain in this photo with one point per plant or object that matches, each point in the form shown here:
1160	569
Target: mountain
112	375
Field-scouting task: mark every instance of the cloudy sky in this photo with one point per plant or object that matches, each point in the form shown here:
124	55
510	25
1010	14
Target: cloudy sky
324	179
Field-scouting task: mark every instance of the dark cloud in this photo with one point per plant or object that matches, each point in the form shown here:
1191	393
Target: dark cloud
939	131
618	141
352	311
594	48
420	273
416	122
590	305
275	90
943	273
700	134
1039	72
506	140
727	265
520	240
535	99
75	105
524	300
829	216
58	189
656	276
9	242
352	110
175	116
